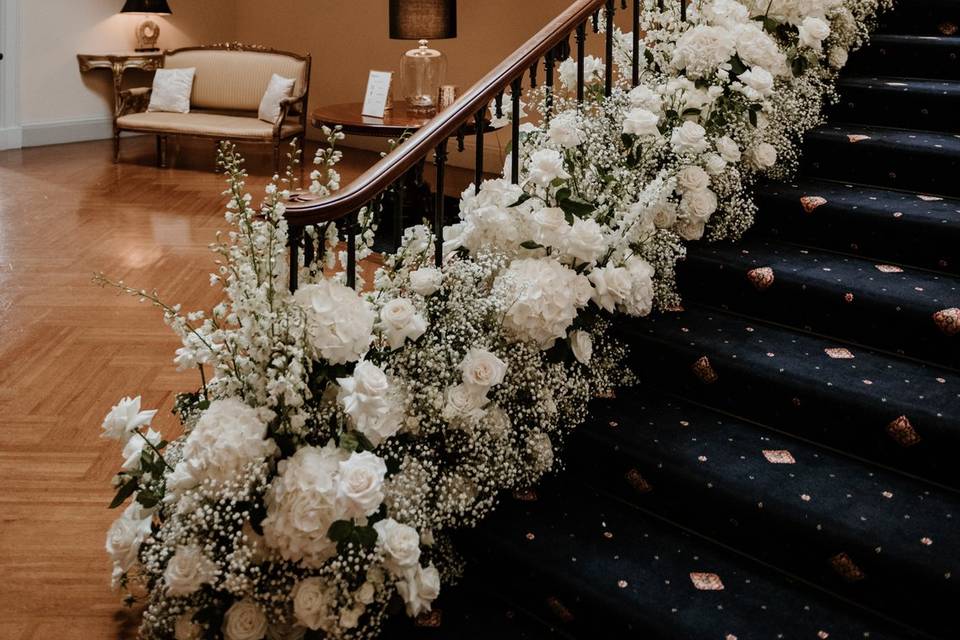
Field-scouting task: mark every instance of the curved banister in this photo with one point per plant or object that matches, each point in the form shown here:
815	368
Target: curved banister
447	123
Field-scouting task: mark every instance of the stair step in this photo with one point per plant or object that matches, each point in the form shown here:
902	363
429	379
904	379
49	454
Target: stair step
923	161
745	485
878	223
923	17
901	413
926	104
609	569
880	305
908	55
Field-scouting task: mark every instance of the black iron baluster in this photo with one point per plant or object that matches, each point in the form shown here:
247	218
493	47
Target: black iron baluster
438	222
548	64
309	247
352	224
533	74
398	212
683	10
636	42
499	108
660	4
481	124
516	88
581	52
611	8
596	21
295	233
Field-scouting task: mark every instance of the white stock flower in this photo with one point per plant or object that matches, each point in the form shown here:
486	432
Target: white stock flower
812	32
188	570
593	71
426	281
762	156
339	321
370	400
360	488
419	587
399	320
611	286
699	205
690	137
728	149
126	535
582	346
692	178
244	620
639	302
721	12
641	122
302	504
585	241
482	370
702	49
401	544
546	165
228	436
643	97
124	418
564	130
314	603
134	449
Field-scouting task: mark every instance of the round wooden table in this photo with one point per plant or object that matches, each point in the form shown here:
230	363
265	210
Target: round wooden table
348	115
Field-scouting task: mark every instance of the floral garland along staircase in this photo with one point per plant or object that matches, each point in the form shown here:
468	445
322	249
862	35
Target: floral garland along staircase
766	477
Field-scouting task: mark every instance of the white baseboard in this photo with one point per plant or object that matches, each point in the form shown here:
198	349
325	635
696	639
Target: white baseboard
38	134
11	138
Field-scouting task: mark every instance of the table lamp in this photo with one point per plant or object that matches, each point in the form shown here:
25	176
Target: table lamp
147	31
422	69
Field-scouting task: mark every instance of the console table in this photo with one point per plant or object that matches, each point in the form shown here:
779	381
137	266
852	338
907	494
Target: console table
118	62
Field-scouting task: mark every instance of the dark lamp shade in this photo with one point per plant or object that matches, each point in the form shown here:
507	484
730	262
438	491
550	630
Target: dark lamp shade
423	19
146	6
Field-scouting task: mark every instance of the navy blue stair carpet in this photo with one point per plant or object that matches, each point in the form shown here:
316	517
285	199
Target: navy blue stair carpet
787	467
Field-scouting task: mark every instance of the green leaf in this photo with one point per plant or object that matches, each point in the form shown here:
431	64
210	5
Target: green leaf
737	66
340	530
523	198
753	117
148	499
349	441
530	244
691	112
366	536
799	66
123	492
576	207
203	405
649	56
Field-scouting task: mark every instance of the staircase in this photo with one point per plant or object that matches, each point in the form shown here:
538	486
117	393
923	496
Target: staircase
788	466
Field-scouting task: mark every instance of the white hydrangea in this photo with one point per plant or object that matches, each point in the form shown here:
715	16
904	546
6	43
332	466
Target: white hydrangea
339	321
701	50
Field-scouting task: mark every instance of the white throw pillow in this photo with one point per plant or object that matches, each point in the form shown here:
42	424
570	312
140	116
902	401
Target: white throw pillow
171	90
279	89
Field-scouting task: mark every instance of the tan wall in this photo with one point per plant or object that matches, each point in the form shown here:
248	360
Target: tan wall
54	93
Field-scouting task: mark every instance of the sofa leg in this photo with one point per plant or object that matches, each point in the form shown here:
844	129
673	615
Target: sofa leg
276	158
116	147
162	152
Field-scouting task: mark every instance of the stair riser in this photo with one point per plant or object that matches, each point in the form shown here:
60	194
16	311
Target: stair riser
888	106
923	17
874	322
806	408
886	238
917	59
925	171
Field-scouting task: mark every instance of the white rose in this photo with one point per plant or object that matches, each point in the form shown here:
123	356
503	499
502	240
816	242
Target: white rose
401	544
564	131
664	215
691	229
699	205
758	82
482	370
546	166
419	588
640	301
689	138
550	226
838	57
692	178
728	149
426	280
641	122
399	320
582	346
462	403
714	163
370	400
585	241
126	535
366	593
763	155
350	618
643	97
360	489
186	629
813	31
134	449
339	321
124	418
611	285
244	621
188	570
312	600
757	49
593	70
497	422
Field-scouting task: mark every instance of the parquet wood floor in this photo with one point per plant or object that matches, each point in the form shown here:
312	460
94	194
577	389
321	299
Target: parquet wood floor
69	350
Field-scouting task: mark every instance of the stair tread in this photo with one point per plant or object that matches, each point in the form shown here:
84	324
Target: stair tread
907	140
612	563
821	497
902	84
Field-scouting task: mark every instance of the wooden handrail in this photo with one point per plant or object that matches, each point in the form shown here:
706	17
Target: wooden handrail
395	165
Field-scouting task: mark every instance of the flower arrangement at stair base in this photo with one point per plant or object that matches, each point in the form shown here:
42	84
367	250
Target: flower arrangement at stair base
342	435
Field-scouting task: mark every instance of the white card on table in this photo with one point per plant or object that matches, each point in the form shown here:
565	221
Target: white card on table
378	93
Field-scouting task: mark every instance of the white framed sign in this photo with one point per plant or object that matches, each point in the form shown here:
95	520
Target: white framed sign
378	93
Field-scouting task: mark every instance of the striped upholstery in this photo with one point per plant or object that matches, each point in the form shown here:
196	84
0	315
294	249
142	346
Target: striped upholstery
235	80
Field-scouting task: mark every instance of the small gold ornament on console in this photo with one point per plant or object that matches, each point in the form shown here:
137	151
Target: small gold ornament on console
148	31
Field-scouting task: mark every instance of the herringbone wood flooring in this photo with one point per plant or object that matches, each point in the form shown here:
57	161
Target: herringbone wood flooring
69	350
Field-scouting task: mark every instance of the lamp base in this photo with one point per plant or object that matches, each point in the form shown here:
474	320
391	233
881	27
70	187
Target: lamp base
148	32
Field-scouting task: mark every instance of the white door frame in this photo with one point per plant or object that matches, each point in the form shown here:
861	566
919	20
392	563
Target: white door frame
11	133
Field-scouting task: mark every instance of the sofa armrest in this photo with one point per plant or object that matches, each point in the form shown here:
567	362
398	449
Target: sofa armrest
133	100
294	105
